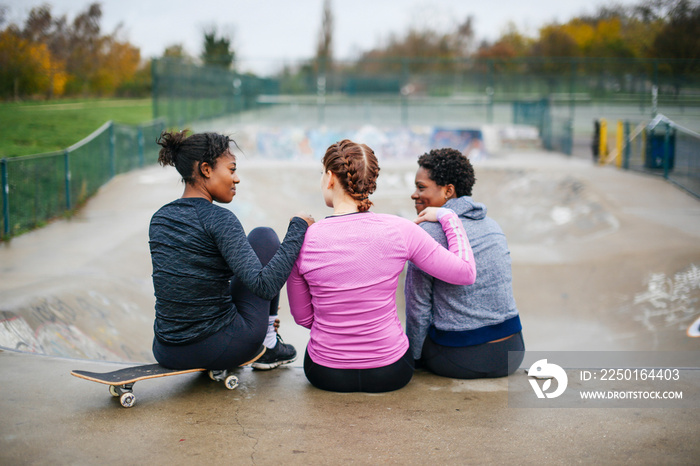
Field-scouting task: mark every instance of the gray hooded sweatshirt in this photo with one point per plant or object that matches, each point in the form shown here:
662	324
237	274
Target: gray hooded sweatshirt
464	315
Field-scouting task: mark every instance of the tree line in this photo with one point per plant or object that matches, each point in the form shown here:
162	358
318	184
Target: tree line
52	57
49	56
668	29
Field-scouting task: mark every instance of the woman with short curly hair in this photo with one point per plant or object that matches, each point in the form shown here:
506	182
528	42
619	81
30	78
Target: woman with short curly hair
458	331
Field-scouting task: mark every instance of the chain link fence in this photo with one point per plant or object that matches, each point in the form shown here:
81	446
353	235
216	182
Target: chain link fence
562	98
37	188
456	92
659	147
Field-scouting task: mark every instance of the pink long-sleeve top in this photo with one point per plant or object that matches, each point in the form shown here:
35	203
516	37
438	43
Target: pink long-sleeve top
343	284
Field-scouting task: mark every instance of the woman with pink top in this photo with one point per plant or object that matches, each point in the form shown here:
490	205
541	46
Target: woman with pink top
343	284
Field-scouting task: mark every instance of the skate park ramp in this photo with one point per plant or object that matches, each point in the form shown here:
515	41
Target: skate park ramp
602	260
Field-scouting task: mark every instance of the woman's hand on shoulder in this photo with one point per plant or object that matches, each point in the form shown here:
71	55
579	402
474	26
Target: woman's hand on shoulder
308	218
429	214
433	214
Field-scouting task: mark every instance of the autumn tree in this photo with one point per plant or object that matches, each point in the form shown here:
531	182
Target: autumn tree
43	31
53	56
679	41
27	68
510	45
177	52
419	50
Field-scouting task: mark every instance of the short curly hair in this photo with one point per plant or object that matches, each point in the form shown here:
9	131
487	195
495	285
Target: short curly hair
449	166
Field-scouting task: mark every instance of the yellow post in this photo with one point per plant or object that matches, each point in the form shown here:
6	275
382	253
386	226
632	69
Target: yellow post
603	148
619	139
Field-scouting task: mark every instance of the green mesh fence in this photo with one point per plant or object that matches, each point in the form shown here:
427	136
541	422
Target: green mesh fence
455	92
686	160
37	188
34	191
184	93
90	163
561	97
665	148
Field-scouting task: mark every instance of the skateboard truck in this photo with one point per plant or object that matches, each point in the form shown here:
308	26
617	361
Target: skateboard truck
126	392
230	381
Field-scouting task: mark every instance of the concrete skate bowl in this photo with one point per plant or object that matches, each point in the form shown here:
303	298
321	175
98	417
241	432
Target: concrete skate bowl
592	269
591	273
85	319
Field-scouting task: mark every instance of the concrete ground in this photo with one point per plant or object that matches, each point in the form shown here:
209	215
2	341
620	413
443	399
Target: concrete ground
602	260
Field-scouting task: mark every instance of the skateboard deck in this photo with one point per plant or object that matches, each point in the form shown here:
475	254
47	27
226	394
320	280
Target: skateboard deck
121	382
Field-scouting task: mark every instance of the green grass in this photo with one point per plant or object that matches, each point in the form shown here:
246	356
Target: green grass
39	127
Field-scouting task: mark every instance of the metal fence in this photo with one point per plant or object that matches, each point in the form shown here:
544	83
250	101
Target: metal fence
184	93
182	90
37	188
658	146
561	97
555	129
455	92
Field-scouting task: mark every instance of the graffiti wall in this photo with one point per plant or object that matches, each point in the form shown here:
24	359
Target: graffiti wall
395	143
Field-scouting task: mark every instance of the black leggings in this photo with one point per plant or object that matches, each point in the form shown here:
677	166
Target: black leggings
376	380
239	341
488	360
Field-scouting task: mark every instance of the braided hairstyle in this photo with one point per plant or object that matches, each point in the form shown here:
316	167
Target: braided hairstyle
185	152
356	167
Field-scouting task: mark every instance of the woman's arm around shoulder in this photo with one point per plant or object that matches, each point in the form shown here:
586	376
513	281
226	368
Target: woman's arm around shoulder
454	265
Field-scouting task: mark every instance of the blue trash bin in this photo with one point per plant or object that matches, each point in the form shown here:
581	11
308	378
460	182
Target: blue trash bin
656	149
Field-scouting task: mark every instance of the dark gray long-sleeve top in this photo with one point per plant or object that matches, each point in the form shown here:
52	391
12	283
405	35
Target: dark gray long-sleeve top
196	247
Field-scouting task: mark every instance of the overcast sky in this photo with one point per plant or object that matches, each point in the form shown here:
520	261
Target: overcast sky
267	30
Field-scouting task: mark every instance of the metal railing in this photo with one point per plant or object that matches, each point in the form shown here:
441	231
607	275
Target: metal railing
184	92
659	146
38	188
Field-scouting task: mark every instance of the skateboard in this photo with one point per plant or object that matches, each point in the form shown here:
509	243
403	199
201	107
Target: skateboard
121	382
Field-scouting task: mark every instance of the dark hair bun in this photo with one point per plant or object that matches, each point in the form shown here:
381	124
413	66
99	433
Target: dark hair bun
171	142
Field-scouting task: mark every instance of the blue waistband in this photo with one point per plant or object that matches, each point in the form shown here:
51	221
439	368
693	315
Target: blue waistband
477	336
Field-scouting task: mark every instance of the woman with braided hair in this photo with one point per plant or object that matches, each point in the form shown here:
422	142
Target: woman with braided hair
343	284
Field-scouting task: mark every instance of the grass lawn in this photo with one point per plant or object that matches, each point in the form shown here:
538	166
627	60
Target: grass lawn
39	127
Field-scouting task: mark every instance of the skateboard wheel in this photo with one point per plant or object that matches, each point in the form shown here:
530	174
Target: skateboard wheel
231	382
113	390
127	399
